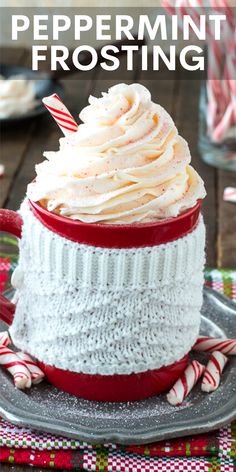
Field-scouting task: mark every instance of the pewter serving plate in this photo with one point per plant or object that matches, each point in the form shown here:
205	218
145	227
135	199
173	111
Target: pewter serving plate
47	409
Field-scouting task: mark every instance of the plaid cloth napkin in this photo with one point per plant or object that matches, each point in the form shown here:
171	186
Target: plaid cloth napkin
212	452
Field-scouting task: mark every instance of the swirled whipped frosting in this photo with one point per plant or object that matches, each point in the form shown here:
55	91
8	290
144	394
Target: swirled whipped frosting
125	164
17	96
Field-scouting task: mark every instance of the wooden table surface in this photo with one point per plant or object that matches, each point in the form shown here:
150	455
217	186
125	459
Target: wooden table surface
22	147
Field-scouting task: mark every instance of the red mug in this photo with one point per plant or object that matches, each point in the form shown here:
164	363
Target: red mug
134	386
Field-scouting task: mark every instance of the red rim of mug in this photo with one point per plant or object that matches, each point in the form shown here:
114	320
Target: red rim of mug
119	236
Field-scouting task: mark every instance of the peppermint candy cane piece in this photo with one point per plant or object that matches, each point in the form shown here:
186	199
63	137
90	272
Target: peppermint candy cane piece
16	367
37	374
5	339
61	114
185	383
229	194
2	170
207	344
213	371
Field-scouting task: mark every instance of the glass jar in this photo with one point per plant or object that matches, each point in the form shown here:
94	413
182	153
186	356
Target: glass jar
220	153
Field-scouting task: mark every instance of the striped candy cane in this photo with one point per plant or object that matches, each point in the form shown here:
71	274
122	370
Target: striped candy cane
230	70
224	124
37	374
213	371
5	339
167	4
207	344
16	367
185	383
60	114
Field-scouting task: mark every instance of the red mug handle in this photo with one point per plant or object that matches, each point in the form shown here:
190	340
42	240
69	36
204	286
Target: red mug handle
11	222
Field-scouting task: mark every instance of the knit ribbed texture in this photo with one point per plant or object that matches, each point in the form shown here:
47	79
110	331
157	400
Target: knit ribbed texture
107	311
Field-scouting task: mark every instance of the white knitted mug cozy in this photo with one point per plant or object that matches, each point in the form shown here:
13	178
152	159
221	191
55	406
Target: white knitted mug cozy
103	310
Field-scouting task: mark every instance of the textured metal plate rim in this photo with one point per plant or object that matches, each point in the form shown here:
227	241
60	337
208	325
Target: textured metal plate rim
191	427
136	422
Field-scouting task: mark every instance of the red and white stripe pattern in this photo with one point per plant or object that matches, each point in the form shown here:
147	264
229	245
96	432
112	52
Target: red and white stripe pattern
60	114
5	339
230	194
224	124
213	371
207	344
37	374
16	367
185	383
